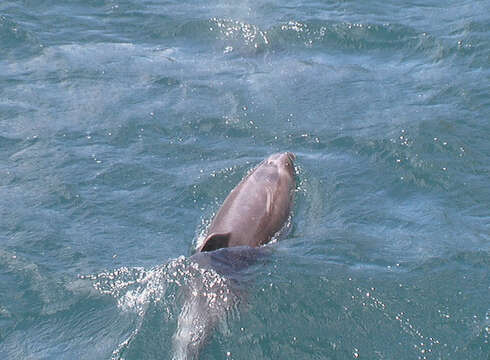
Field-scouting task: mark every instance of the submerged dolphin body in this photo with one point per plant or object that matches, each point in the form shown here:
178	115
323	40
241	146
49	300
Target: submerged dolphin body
255	210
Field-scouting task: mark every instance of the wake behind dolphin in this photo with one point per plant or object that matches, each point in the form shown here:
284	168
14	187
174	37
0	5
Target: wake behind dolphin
254	211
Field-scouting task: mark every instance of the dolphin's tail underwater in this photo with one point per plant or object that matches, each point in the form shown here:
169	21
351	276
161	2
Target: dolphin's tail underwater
208	300
192	330
194	326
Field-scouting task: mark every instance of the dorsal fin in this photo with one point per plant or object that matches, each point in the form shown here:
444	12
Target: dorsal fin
216	241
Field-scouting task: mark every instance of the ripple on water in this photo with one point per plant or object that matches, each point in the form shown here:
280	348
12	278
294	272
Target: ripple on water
15	39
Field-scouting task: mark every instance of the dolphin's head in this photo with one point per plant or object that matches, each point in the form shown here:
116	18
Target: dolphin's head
284	162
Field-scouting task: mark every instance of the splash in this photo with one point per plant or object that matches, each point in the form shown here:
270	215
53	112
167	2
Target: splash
183	289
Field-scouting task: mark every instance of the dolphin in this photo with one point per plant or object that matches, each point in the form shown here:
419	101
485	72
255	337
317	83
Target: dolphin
257	208
254	211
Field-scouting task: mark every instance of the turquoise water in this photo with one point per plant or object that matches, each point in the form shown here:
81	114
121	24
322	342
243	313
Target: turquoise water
124	125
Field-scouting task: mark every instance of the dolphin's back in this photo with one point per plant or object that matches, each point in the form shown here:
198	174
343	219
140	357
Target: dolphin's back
256	208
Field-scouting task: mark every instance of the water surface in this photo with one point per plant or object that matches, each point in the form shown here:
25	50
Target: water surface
124	125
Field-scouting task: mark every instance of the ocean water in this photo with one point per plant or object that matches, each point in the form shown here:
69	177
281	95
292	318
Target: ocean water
124	125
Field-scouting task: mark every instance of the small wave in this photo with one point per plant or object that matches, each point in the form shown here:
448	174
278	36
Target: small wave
346	35
13	36
35	292
248	38
467	259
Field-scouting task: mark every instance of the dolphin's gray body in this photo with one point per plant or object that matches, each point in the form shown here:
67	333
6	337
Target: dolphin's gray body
255	210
